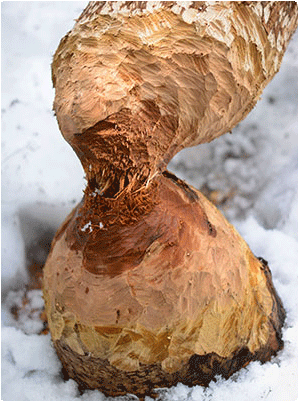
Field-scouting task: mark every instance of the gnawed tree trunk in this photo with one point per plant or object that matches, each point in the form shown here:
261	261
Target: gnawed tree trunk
146	283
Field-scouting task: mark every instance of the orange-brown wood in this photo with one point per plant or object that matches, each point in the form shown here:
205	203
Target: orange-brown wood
146	283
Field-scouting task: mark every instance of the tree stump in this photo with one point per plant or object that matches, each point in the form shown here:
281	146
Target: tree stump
147	284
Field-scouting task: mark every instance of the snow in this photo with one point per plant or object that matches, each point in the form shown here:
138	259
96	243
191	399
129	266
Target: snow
87	226
252	174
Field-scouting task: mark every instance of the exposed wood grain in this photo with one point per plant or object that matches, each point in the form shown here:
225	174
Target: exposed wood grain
177	283
146	283
162	76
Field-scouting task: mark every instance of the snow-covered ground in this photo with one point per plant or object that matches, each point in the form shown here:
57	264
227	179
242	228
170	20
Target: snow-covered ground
251	174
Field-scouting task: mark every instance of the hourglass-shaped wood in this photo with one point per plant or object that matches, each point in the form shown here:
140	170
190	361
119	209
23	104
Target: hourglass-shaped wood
146	283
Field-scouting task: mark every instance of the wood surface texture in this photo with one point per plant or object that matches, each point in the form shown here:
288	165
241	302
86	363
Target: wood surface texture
147	284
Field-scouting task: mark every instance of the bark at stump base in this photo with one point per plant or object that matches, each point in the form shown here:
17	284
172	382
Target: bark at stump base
95	373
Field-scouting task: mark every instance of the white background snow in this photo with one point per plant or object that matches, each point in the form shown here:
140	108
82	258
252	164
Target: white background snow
251	173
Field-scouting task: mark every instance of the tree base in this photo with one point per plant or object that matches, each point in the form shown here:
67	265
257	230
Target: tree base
175	296
95	373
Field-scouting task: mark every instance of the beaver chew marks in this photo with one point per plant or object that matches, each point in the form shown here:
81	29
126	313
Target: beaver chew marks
147	284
